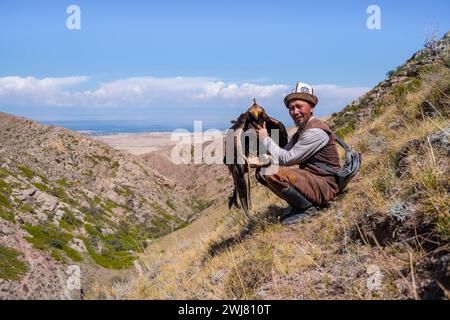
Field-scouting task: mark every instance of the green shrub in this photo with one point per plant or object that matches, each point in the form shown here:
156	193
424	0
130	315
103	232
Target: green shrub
88	173
108	205
390	73
124	191
46	237
68	221
4	201
4	173
170	204
111	261
64	183
199	205
11	268
4	187
27	172
40	186
7	215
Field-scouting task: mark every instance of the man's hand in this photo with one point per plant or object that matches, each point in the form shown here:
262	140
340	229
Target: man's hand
260	131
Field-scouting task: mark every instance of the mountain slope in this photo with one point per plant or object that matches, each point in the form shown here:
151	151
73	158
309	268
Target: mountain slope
387	237
404	78
66	198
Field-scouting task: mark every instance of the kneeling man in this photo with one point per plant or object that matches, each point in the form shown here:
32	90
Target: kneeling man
306	185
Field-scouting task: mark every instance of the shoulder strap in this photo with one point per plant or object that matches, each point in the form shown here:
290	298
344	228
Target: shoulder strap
341	142
325	166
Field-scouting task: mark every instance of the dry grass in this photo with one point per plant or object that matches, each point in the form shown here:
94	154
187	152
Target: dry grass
321	259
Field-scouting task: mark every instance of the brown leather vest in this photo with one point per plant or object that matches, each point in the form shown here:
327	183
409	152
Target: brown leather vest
327	154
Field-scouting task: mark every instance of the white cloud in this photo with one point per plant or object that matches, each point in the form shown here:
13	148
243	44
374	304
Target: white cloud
25	90
158	92
245	90
333	97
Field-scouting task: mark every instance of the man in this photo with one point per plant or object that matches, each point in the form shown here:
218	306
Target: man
306	186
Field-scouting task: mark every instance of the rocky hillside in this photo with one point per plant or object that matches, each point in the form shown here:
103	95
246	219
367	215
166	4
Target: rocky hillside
67	198
199	185
398	83
387	237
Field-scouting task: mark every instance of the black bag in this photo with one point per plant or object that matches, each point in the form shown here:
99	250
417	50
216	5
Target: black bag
348	170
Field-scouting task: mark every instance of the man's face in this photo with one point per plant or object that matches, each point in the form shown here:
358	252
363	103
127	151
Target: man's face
300	111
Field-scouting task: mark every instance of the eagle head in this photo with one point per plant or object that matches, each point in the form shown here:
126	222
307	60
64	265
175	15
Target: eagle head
256	113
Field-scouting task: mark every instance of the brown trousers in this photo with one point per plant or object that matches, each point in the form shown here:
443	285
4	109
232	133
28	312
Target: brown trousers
317	189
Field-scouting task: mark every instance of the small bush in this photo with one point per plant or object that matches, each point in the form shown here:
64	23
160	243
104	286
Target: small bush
46	237
11	268
64	183
7	215
4	201
27	172
248	276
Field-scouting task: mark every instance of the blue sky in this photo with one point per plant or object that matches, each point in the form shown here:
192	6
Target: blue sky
194	60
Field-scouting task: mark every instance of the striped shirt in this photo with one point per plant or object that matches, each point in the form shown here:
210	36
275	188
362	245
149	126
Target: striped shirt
308	143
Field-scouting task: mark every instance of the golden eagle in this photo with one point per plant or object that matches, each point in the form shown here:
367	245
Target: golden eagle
243	146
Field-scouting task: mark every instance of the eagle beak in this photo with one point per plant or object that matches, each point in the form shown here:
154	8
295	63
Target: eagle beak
255	113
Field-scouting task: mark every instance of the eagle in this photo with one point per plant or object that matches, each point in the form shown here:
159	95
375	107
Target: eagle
243	146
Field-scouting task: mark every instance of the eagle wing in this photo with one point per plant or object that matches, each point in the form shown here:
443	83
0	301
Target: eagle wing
273	123
241	188
241	193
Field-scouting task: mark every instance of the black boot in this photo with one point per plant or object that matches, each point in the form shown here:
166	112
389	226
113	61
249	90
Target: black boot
302	208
